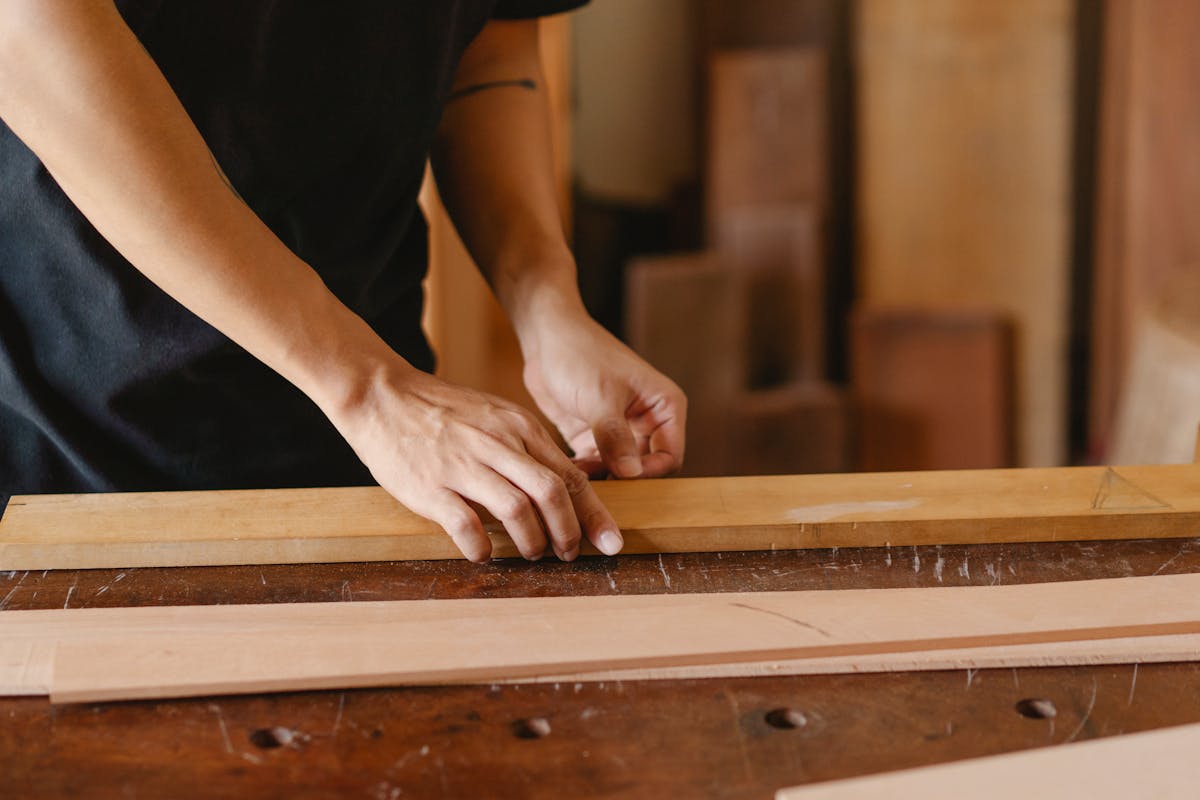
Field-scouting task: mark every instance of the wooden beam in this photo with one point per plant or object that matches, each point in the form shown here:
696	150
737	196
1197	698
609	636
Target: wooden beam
285	526
187	651
1161	764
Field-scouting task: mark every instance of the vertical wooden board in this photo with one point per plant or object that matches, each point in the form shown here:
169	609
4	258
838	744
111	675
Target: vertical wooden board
1149	181
932	389
964	193
767	130
801	428
780	251
1160	399
685	315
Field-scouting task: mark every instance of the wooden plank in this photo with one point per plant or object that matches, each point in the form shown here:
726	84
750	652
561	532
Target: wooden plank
804	427
780	253
1160	402
686	315
964	114
1147	176
768	112
1160	764
932	388
285	526
307	646
27	663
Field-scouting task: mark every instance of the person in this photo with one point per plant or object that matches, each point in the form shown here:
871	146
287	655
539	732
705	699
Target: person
211	258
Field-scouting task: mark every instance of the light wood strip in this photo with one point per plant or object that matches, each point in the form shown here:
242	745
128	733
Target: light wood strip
241	649
1160	764
666	516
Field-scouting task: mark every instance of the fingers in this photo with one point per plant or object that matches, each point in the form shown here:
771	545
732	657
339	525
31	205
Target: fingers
544	485
666	420
591	516
461	523
598	525
617	445
511	506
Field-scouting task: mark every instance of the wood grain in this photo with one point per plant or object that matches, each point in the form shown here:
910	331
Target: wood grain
964	116
1161	764
200	650
673	515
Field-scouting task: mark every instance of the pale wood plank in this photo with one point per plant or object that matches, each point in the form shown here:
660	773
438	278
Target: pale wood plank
674	515
1160	764
201	650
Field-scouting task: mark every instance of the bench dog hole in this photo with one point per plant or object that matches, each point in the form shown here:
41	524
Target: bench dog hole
532	728
786	718
270	738
1036	708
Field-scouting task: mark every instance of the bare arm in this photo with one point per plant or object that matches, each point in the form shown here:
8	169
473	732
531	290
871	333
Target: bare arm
80	91
493	165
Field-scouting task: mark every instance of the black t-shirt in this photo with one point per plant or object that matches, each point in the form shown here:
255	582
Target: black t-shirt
322	115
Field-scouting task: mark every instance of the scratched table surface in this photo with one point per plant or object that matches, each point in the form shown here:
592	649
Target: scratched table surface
715	738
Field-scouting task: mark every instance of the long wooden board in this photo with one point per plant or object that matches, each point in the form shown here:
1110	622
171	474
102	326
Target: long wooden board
1159	764
136	653
677	515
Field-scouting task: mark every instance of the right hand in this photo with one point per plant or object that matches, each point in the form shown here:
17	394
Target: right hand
436	447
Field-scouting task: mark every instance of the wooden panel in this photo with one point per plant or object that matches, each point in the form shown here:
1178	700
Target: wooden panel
340	645
672	515
965	122
1149	181
801	428
685	315
1160	402
1160	764
933	389
767	130
779	250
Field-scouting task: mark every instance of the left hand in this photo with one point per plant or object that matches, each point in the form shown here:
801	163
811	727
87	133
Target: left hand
617	413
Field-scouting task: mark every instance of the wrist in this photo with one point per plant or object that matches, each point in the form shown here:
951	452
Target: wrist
335	357
540	298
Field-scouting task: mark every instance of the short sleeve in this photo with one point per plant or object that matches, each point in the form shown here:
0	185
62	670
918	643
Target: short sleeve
527	9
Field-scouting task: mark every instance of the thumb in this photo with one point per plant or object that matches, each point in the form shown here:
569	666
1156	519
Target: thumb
617	446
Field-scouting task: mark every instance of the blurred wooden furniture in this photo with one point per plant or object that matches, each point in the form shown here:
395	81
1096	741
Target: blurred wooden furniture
686	315
1148	183
965	111
1159	407
932	389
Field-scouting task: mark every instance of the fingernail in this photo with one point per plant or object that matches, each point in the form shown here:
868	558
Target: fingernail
609	543
629	466
572	554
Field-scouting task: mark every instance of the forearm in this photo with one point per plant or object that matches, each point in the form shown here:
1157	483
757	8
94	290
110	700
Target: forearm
79	90
494	169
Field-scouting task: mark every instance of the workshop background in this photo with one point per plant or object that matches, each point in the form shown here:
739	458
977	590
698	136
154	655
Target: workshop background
878	235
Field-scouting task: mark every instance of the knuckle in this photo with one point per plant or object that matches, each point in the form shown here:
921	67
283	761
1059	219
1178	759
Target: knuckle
513	506
548	488
576	481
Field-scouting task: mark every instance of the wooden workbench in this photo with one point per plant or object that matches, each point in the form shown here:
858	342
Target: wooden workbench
695	739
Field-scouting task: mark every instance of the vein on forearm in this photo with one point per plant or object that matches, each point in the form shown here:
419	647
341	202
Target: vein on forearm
522	83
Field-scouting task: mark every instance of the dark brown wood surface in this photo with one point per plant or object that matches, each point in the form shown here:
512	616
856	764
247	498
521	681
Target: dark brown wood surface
715	738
